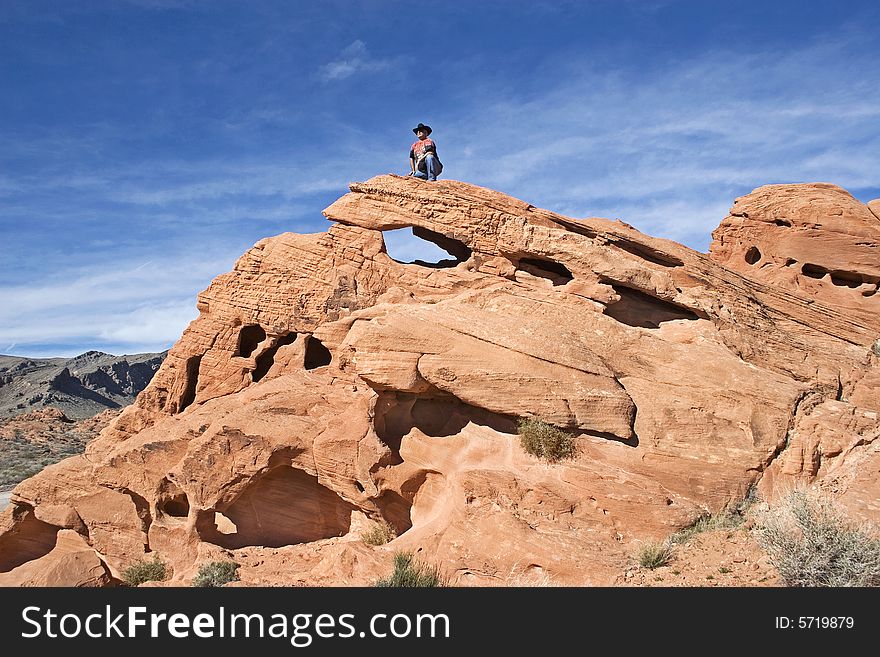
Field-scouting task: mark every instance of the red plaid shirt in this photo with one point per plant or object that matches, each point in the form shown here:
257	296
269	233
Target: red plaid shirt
421	147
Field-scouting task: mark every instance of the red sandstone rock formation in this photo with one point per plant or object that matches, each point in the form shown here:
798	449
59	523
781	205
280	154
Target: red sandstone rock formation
325	387
820	243
815	239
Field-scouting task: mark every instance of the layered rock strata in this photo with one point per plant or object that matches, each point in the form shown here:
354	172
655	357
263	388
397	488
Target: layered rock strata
325	387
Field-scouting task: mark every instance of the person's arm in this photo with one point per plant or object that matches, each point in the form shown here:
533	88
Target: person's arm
412	160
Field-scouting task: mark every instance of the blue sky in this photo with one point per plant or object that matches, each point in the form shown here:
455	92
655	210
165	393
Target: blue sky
145	144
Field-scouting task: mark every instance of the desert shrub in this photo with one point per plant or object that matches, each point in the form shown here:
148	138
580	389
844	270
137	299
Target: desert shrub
379	534
216	573
812	543
653	555
876	347
544	440
408	572
144	570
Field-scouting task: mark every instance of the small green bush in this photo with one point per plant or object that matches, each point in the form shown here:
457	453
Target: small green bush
411	573
144	570
544	440
812	543
653	555
379	534
216	573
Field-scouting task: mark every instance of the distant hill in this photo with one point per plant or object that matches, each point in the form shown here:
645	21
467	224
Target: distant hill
80	387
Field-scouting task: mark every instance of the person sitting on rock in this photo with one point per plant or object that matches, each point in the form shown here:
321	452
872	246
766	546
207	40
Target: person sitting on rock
423	159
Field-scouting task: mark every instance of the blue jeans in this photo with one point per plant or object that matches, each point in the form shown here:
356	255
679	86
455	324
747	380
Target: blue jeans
431	169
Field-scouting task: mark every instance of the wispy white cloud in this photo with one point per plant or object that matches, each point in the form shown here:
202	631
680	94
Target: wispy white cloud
155	325
138	307
158	231
148	328
276	179
354	58
104	284
670	152
665	147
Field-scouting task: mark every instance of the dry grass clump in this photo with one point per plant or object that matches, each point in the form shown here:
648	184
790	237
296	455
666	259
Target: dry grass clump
216	573
653	555
379	534
544	440
724	520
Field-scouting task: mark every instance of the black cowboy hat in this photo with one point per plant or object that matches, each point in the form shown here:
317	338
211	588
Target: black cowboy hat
422	126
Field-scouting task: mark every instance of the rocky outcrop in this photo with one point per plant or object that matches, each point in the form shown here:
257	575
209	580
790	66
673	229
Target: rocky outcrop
814	239
325	386
820	243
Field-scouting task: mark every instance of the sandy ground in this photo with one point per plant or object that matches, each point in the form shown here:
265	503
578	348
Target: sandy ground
713	558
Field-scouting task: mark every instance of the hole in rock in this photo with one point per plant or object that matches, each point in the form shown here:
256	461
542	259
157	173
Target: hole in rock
284	456
28	540
420	246
813	271
846	279
411	486
839	277
782	222
636	308
317	355
192	381
143	511
554	271
224	525
284	506
175	505
248	339
267	358
395	510
790	262
753	255
434	413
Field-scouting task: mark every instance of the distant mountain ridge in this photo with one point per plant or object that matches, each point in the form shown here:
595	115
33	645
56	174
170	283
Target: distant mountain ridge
81	386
